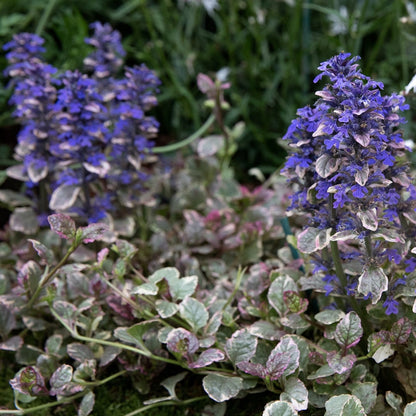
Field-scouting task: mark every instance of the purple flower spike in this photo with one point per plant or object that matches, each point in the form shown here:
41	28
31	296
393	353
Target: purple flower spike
350	181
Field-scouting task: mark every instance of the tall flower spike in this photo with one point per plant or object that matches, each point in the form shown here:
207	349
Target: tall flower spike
348	179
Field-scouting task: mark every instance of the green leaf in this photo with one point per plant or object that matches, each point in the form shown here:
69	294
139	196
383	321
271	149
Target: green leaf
137	331
166	309
241	346
410	409
64	197
279	408
344	405
221	388
61	376
181	288
394	400
87	404
194	312
275	295
145	289
24	220
328	317
210	145
295	393
313	239
349	331
366	392
165	273
373	280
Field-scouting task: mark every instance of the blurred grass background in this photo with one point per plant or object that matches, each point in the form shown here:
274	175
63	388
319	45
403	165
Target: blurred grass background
271	49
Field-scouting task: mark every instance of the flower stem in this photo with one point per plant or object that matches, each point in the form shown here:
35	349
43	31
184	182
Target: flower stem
188	140
45	280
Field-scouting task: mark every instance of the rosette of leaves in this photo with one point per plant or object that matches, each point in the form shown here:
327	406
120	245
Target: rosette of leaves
352	182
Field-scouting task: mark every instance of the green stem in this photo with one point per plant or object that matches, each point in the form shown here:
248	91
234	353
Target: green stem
45	280
339	270
188	140
240	274
45	16
43	406
167	403
148	354
100	382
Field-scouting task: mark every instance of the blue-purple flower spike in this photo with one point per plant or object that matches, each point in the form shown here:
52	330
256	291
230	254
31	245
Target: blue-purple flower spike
349	178
77	128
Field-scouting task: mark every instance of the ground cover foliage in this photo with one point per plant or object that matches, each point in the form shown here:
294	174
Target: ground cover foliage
149	275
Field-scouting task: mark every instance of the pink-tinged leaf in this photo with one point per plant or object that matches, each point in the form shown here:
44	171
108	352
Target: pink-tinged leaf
402	179
389	234
182	342
208	357
254	369
64	197
30	381
340	364
326	165
277	364
12	344
349	330
361	176
43	252
400	331
93	232
344	236
205	83
286	354
61	376
63	225
373	281
363	139
369	219
326	95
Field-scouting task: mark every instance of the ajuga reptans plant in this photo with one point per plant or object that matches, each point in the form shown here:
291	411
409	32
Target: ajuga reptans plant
352	182
85	134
